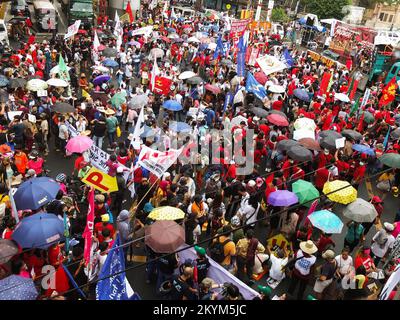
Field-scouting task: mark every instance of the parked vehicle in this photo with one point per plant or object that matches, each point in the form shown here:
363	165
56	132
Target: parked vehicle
46	15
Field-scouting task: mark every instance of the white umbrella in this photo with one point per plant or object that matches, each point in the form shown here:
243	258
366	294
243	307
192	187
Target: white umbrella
156	53
173	36
360	211
56	69
186	75
193	39
212	46
302	133
57	82
276	89
305	124
101	69
342	97
36	84
237	120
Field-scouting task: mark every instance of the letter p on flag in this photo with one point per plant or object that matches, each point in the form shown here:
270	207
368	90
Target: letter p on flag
100	181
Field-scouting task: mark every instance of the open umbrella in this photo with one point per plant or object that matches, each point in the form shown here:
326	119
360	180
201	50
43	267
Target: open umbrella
352	134
173	36
237	120
342	97
156	53
79	144
276	89
40	230
368	117
8	249
363	149
109	52
193	39
301	134
302	95
17	83
274	111
138	101
164	236
3	81
172	105
56	69
278	120
395	134
282	198
195	80
285	145
17	288
101	79
180	126
360	211
35	193
5	148
186	75
134	43
261	77
149	132
226	62
326	221
36	84
310	144
110	63
118	98
391	160
305	191
305	124
57	82
166	213
340	191
330	133
63	107
299	153
259	112
328	142
212	88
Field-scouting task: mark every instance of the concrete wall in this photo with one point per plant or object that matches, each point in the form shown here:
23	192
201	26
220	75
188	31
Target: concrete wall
383	17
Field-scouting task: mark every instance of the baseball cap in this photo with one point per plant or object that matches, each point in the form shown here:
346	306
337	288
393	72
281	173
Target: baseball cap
201	251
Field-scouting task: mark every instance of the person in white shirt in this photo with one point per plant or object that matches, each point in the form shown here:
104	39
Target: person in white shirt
382	242
278	262
344	263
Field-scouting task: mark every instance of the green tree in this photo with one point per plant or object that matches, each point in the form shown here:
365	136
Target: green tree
279	15
326	9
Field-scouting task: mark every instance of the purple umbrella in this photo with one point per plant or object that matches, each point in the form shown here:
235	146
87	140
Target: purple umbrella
101	79
282	198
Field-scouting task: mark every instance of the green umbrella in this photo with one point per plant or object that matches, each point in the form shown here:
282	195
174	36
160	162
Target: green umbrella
391	160
305	191
368	117
118	99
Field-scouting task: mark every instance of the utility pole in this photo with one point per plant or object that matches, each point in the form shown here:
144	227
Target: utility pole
258	13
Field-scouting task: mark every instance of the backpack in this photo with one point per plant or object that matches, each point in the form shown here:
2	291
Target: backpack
217	250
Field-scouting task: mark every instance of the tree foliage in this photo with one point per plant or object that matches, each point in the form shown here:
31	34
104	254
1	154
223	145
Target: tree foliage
279	15
326	9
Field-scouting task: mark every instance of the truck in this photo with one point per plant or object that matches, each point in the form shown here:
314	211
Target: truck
79	10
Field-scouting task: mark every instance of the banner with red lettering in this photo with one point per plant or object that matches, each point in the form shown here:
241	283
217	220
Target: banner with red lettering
238	27
158	162
162	85
88	233
253	56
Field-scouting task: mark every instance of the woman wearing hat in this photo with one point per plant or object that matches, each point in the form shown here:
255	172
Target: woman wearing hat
328	270
382	242
304	262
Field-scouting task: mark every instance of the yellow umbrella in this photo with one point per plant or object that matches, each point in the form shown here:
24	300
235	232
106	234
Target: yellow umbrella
345	194
166	213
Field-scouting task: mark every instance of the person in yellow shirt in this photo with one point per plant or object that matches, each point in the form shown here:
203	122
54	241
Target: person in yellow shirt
229	249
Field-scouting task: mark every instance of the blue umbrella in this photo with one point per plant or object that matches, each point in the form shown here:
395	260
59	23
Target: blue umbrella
101	79
180	126
148	132
302	94
110	63
326	221
35	193
3	81
40	230
364	149
171	30
17	288
172	105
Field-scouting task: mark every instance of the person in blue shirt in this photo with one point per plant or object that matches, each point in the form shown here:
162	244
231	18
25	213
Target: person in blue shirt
210	116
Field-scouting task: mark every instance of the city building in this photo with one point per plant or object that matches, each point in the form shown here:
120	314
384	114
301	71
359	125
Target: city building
385	17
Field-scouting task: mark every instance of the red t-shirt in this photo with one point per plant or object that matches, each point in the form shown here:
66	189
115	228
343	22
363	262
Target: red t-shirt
55	255
98	228
277	105
366	262
321	177
359	172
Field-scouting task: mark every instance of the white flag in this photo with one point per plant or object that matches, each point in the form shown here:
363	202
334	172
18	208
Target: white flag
96	42
154	72
72	29
139	129
153	4
165	9
173	15
158	162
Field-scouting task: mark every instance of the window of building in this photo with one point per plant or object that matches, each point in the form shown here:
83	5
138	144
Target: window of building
385	17
381	16
391	18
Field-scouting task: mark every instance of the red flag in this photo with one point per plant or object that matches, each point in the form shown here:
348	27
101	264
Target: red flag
388	93
353	88
31	39
360	126
129	11
88	233
162	85
326	78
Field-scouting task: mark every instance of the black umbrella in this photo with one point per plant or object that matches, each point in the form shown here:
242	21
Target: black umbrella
195	80
395	134
330	133
7	250
259	112
63	107
329	142
17	83
109	52
352	134
299	153
3	96
285	145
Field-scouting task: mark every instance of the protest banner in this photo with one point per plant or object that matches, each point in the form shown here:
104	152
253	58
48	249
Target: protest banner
142	31
270	64
238	27
156	161
72	29
100	181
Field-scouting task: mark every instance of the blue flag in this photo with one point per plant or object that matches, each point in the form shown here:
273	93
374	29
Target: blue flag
253	86
114	286
219	49
386	141
227	100
241	58
72	281
288	58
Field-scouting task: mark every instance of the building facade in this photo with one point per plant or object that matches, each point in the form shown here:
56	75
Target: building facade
383	17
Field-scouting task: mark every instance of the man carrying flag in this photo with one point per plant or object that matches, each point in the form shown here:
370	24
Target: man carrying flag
128	10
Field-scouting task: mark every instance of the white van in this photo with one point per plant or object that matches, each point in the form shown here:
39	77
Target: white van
4	33
44	12
278	29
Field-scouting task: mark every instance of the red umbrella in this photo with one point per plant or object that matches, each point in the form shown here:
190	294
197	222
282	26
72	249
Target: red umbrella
81	31
278	120
310	143
164	38
164	236
212	88
261	77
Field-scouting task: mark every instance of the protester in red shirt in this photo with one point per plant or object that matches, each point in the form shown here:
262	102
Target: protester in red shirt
278	104
322	176
100	226
359	174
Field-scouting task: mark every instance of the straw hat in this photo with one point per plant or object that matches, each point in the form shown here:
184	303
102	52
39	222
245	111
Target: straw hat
86	133
308	247
109	112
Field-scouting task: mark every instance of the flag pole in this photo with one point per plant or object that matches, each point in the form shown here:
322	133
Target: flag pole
141	200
